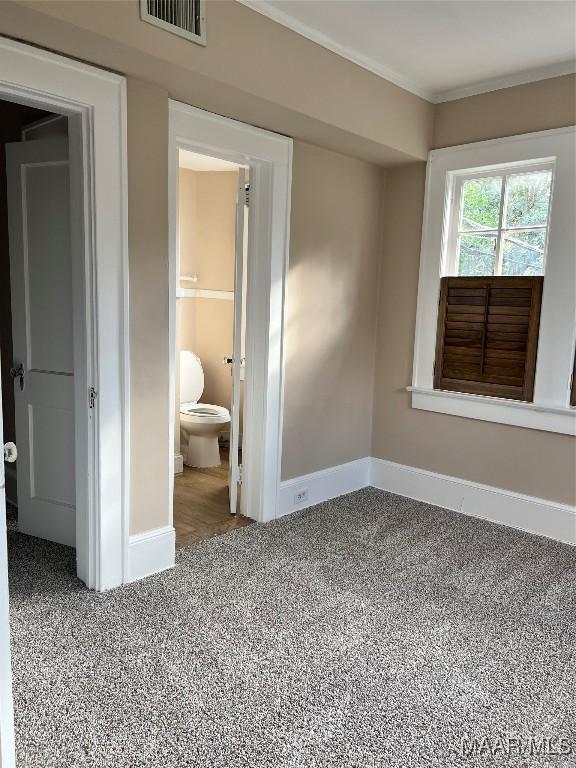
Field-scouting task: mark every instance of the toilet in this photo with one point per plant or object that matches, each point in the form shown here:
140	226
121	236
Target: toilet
200	423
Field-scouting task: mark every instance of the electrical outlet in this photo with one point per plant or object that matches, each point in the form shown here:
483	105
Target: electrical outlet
301	496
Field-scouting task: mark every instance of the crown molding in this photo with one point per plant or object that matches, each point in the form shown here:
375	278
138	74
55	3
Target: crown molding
262	7
498	83
435	97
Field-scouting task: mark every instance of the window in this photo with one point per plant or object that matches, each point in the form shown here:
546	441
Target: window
496	316
499	222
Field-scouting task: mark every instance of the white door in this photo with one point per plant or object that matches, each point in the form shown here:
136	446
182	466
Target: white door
42	330
234	471
7	759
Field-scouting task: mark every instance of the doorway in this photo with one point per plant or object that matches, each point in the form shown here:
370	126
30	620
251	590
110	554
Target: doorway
77	407
263	161
213	221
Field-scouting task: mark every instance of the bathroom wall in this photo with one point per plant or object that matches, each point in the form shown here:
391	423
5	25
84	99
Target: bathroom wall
207	246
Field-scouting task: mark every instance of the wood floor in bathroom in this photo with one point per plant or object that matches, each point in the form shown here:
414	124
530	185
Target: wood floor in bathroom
201	504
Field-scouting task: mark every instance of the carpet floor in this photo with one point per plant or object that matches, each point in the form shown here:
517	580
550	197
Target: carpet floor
368	632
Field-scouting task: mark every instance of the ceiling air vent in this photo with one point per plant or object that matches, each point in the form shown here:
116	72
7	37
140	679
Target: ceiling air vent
181	17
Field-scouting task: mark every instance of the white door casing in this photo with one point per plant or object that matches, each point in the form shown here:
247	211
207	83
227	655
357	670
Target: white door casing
43	342
94	101
269	158
234	470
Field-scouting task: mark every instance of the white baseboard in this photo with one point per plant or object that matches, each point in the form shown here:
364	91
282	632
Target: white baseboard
528	513
323	485
178	464
151	552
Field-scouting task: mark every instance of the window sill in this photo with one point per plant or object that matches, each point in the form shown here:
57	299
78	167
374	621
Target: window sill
514	412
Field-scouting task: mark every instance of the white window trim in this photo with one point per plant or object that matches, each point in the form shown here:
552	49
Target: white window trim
550	410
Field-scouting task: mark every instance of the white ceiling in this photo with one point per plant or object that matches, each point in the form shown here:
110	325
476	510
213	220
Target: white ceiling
440	49
193	162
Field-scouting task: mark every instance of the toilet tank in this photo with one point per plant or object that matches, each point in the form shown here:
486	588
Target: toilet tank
191	377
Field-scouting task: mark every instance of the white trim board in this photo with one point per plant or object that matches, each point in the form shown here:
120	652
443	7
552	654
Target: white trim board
203	293
323	485
496	505
496	409
150	552
527	513
508	81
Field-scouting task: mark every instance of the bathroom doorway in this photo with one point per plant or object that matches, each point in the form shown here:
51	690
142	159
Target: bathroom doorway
230	406
213	222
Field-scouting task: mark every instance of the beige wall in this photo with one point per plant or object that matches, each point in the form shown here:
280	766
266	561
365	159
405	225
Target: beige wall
524	108
331	310
252	69
331	305
207	227
536	463
148	253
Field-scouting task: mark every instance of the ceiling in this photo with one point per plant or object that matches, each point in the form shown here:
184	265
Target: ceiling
440	49
194	162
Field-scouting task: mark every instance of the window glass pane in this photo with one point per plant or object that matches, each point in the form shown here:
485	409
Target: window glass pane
523	253
480	204
476	255
528	199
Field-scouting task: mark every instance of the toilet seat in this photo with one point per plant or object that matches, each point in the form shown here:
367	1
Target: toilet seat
204	412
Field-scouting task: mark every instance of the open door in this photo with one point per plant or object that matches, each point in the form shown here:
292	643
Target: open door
41	270
7	758
234	476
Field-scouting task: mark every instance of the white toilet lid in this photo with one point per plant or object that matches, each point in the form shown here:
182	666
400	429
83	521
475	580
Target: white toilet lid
191	377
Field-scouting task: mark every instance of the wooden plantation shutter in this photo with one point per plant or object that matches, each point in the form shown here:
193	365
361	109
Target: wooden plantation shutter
488	335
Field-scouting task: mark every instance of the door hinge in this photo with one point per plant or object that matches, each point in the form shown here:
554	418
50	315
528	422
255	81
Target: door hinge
240	473
92	395
247	195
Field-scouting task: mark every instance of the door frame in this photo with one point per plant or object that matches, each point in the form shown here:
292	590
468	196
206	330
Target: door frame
269	157
94	101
